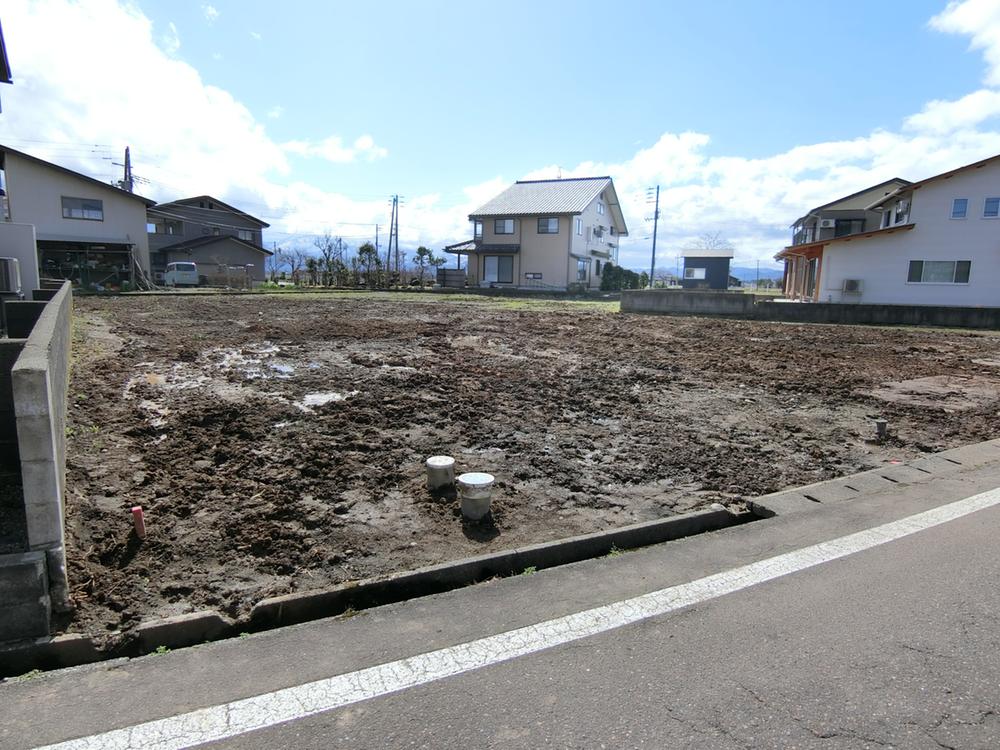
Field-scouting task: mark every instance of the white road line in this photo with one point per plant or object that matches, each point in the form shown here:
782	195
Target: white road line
261	711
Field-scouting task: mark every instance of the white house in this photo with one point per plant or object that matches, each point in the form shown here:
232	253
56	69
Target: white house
84	230
938	243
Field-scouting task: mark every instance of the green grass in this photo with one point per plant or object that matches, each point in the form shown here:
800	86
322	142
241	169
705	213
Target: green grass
530	570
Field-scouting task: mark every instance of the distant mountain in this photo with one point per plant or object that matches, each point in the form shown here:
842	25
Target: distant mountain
749	273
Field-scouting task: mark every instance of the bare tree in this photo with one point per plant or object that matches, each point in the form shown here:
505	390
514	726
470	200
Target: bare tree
712	241
331	258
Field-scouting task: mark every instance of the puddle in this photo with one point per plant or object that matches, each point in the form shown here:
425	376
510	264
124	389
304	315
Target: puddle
319	399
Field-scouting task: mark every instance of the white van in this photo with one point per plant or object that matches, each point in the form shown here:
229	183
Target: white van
181	274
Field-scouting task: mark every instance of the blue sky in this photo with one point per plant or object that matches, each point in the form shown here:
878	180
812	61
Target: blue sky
747	113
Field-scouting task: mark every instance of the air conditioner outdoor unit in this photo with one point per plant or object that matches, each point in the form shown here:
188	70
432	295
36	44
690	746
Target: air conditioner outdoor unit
10	276
852	286
827	223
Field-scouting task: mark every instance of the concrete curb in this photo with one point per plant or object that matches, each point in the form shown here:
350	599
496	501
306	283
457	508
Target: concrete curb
294	608
842	489
183	630
58	652
199	627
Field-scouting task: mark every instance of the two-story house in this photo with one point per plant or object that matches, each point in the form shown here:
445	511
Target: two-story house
547	234
843	217
213	234
936	242
61	224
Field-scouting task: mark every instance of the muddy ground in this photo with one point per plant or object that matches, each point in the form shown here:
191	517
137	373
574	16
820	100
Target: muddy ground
277	442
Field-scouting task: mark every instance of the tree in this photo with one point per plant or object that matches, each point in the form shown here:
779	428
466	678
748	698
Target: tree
423	259
615	278
331	257
712	241
664	277
369	265
312	268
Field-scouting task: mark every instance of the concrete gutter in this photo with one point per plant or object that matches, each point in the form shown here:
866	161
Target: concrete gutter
198	627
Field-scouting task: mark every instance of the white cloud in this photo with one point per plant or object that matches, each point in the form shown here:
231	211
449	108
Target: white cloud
980	20
255	35
275	112
333	149
210	13
751	201
170	39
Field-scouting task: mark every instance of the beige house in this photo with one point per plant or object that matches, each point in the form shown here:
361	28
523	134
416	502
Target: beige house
85	230
546	234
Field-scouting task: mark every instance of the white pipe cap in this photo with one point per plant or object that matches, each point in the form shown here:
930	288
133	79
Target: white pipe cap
440	462
476	479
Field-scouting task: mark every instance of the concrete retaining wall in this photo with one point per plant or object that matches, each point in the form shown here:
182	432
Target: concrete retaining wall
24	596
759	307
21	316
689	303
40	380
10	350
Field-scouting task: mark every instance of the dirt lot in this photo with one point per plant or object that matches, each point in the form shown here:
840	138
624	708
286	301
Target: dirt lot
277	442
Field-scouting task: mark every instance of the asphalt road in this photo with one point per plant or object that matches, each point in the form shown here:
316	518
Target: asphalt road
892	646
898	646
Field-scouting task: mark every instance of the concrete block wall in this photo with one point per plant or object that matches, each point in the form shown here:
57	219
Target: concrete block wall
757	307
10	350
40	379
24	596
21	316
688	302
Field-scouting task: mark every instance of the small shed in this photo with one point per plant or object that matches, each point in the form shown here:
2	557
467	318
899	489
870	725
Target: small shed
706	269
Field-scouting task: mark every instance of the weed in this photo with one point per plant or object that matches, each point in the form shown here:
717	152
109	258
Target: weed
70	431
33	674
162	650
615	552
530	570
244	634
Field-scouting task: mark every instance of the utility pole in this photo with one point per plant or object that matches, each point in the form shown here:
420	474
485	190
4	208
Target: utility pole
656	220
392	229
127	183
397	239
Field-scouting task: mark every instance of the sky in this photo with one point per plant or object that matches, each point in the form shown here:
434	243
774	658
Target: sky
310	115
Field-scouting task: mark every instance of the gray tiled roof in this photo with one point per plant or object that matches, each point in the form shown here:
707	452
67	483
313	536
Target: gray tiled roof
533	197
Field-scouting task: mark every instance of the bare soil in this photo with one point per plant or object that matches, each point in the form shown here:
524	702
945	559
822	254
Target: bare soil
276	443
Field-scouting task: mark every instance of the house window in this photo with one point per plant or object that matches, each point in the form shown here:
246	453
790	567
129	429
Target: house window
579	226
503	226
477	230
959	208
165	226
499	269
939	272
600	208
694	273
245	234
548	225
991	209
581	270
844	227
82	208
597	268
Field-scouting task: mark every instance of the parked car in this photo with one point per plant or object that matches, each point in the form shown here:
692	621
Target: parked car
181	274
